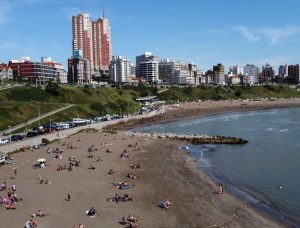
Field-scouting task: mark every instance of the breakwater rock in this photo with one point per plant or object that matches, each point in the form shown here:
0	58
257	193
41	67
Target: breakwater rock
194	139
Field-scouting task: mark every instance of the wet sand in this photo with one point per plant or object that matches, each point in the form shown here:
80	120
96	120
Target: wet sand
166	173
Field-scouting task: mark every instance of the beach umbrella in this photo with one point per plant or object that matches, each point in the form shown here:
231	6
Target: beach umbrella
41	160
7	200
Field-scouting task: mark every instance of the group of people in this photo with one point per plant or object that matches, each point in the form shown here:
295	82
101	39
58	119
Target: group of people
71	146
121	184
130	222
119	198
54	151
135	166
165	204
11	197
125	155
132	176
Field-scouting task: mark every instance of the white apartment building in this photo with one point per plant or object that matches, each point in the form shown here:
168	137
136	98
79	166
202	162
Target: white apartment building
167	69
237	70
120	70
176	72
6	73
149	71
251	70
147	67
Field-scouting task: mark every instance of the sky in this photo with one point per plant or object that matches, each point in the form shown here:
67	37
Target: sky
205	32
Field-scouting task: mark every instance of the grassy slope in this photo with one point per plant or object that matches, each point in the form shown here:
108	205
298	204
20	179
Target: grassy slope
20	104
223	93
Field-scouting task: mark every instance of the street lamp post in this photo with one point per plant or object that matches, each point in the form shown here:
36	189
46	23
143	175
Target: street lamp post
50	126
9	134
39	116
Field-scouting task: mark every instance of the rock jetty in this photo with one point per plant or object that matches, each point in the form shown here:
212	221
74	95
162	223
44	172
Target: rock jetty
193	139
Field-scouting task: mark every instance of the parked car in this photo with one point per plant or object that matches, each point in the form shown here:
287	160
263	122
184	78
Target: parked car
32	134
3	141
16	137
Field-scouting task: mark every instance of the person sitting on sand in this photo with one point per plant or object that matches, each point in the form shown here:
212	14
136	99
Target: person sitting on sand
132	176
30	224
3	186
130	221
10	206
57	157
40	213
13	188
60	168
165	204
111	172
45	182
91	212
92	167
77	163
98	159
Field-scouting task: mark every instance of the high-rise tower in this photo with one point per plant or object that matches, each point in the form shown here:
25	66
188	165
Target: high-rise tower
93	38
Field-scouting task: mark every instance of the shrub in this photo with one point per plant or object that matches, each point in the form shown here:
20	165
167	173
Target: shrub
52	88
45	141
238	93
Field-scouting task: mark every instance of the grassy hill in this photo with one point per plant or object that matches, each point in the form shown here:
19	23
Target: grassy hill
20	104
228	92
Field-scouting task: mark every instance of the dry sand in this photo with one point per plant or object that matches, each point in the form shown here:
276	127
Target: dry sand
166	173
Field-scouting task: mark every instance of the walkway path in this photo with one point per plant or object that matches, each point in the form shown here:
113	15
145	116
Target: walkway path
30	142
17	127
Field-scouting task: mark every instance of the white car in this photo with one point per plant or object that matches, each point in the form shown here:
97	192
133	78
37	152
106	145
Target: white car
3	141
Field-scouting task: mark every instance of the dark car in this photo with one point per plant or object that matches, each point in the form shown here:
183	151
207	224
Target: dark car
16	137
32	134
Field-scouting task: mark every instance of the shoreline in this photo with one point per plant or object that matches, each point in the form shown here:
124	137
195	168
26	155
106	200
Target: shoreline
252	197
166	173
192	110
262	207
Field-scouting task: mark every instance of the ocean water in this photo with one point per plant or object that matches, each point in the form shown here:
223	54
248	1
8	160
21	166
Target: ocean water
254	171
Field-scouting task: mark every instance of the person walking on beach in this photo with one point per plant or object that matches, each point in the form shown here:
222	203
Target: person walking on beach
15	171
69	197
221	189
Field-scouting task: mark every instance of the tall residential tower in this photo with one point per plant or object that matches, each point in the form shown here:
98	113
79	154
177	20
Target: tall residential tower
93	38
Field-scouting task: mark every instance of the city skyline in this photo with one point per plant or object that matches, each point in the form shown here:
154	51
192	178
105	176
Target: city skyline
201	33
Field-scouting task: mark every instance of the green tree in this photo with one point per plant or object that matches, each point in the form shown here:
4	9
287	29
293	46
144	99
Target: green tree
52	88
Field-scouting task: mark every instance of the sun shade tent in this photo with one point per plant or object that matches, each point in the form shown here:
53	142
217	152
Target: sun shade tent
2	158
41	160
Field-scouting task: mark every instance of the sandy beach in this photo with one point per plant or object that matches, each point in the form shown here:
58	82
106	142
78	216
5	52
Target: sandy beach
165	173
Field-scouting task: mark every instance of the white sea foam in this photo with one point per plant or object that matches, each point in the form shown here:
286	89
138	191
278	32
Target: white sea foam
283	130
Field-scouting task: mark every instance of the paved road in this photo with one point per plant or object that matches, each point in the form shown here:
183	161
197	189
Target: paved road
10	86
17	127
30	142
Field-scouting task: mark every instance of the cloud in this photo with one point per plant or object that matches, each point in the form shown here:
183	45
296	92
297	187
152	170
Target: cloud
247	33
5	8
277	35
273	35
